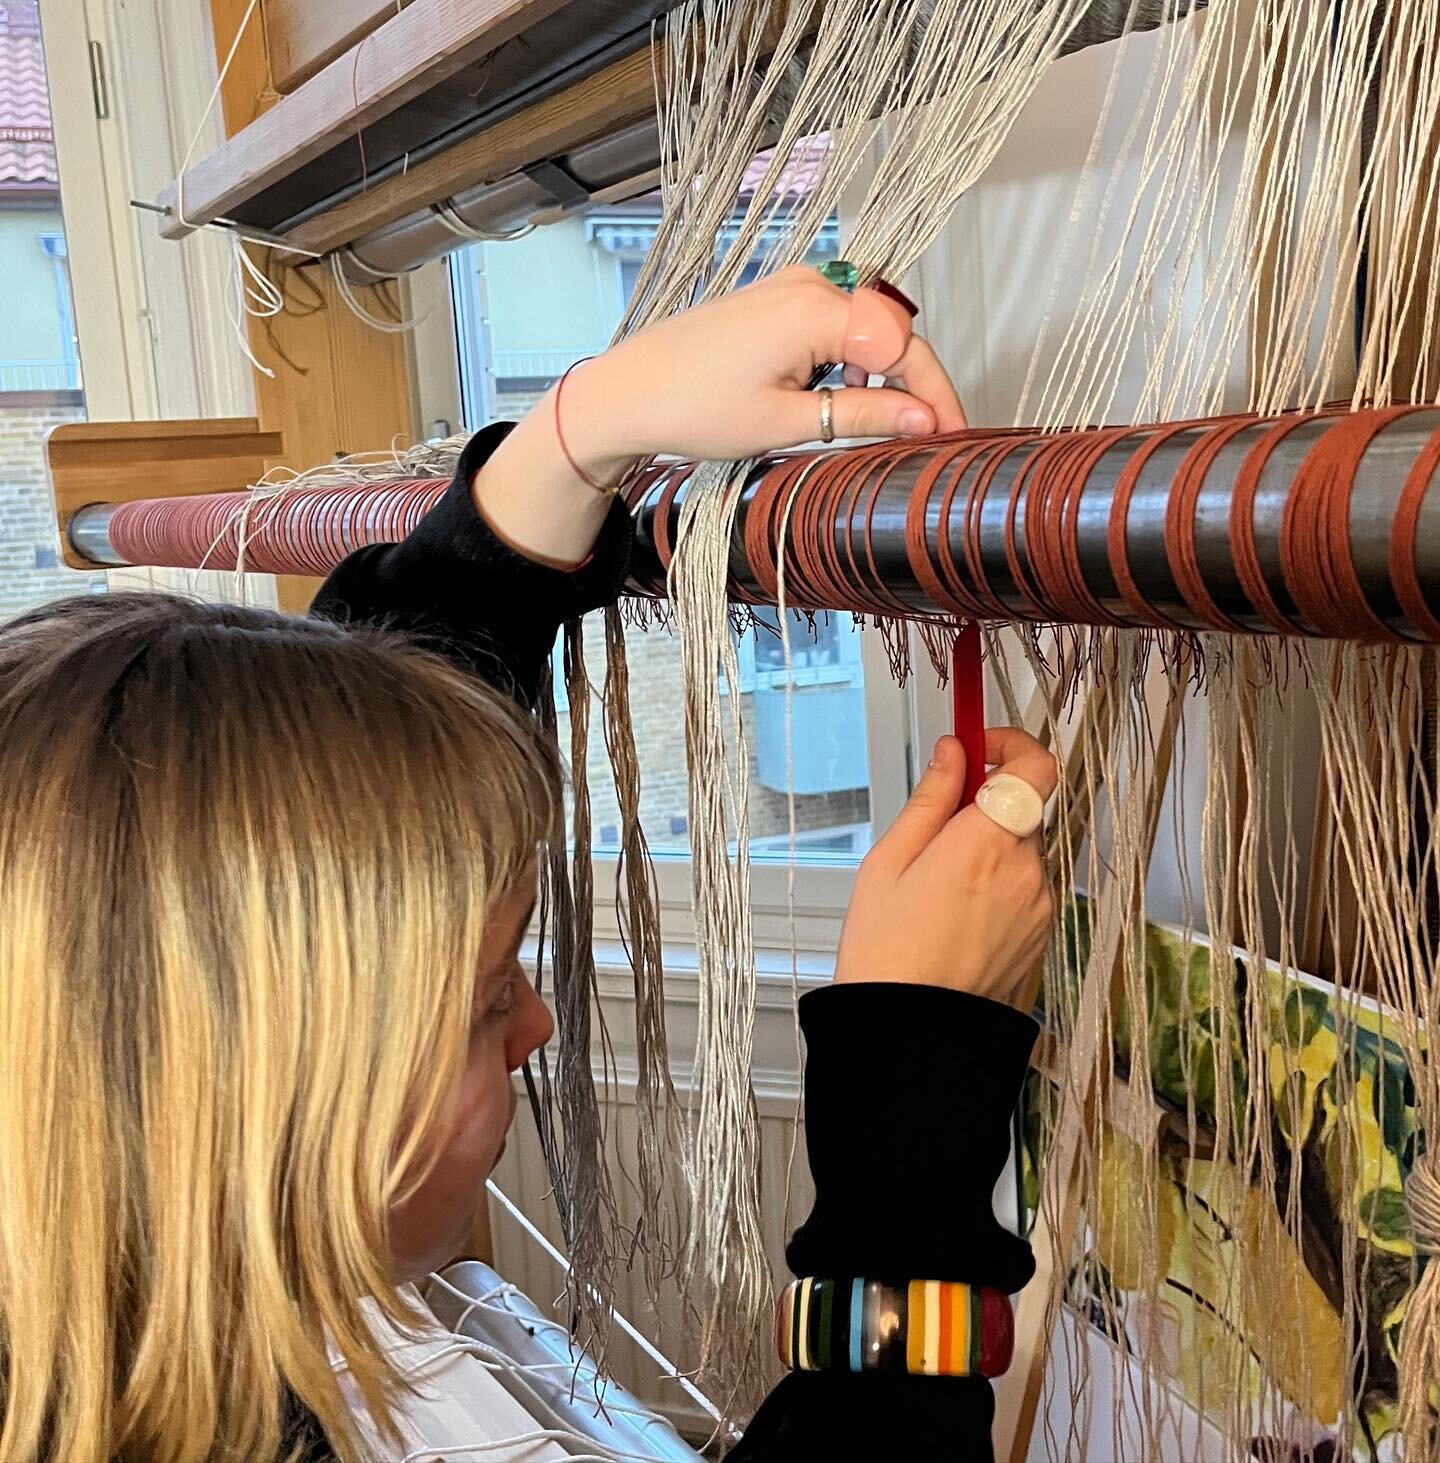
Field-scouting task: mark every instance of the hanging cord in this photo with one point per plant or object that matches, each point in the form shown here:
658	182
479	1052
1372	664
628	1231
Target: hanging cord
352	303
668	1368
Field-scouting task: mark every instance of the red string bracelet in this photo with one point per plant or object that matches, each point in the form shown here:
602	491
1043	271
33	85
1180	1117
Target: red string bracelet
608	491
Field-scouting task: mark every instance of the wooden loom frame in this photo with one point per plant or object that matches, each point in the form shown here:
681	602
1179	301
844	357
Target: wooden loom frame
339	387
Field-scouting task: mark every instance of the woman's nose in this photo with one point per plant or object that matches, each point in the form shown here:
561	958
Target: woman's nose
533	1027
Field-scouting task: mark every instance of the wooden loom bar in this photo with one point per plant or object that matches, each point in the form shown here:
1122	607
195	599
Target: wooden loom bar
622	93
426	42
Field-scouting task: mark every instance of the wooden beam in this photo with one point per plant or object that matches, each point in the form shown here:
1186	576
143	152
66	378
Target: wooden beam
623	93
620	94
118	462
331	385
424	44
305	36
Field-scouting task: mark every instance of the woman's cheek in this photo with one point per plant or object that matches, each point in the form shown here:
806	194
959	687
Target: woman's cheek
428	1229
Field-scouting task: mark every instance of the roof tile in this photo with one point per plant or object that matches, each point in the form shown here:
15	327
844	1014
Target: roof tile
27	139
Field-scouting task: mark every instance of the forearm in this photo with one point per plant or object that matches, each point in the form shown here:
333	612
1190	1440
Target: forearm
548	487
456	585
533	498
909	1092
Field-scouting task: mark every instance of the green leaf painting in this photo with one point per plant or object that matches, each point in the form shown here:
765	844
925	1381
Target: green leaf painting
1252	1062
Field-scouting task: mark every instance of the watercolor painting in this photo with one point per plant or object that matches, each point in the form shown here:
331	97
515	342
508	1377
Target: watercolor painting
1232	1281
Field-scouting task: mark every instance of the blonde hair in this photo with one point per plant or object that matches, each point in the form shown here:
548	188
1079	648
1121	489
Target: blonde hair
245	865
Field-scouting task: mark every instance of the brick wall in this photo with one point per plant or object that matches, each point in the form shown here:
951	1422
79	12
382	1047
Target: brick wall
31	570
512	403
658	713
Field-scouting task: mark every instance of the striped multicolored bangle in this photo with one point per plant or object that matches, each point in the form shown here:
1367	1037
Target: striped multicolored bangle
930	1328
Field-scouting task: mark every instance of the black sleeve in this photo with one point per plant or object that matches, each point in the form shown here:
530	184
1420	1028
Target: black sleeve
458	589
909	1092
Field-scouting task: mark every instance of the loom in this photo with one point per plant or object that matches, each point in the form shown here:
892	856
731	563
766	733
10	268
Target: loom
1193	549
1249	271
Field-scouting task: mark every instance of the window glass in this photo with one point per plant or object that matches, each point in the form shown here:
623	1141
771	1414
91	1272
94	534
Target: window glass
530	307
40	385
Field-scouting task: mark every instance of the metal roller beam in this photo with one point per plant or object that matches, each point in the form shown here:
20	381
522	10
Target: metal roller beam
1380	476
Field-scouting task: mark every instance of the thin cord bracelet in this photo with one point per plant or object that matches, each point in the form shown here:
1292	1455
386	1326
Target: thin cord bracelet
608	490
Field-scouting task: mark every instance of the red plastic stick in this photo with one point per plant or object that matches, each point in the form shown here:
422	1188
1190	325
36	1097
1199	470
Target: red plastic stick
967	684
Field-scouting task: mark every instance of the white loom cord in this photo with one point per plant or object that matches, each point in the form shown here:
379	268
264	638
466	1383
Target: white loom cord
251	293
668	1368
522	1392
494	1359
352	303
253	296
447	214
209	110
782	614
540	1435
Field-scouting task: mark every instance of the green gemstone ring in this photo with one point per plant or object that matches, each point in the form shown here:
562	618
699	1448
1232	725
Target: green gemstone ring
840	272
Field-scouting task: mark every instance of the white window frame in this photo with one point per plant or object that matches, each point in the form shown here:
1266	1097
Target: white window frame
150	316
104	267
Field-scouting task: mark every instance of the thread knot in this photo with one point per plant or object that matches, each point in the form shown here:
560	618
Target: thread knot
1422	1199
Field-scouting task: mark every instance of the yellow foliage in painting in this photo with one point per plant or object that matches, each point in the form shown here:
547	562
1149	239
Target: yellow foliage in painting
1287	1320
1135	1228
1296	1076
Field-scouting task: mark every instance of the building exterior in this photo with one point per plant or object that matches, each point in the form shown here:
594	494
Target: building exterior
39	361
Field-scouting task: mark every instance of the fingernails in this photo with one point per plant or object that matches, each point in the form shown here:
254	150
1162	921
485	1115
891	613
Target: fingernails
914	423
940	757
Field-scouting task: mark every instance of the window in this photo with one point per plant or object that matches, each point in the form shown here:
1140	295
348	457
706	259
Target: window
53	245
39	357
527	309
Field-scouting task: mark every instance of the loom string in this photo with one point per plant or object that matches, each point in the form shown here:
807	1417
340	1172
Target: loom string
1289	200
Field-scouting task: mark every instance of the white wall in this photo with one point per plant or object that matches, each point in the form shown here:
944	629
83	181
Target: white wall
30	321
580	300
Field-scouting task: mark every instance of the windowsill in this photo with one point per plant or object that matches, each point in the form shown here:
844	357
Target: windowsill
774	969
19	400
775	1066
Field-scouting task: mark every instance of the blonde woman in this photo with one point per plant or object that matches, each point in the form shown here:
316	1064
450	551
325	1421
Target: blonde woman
263	884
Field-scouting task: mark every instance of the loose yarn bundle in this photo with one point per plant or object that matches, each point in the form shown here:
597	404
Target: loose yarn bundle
1268	249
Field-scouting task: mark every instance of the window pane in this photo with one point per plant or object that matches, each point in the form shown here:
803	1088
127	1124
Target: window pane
827	760
39	359
530	307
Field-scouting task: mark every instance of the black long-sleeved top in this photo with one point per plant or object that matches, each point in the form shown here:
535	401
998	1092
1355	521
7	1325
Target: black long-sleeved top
908	1089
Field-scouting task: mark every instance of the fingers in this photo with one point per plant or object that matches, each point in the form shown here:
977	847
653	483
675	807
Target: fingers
1008	749
876	411
877	332
931	806
920	372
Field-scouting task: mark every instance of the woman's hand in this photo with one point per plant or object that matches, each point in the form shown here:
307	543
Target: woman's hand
725	380
947	897
729	379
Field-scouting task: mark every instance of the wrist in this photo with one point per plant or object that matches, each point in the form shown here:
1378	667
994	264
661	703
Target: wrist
588	415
